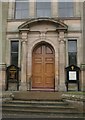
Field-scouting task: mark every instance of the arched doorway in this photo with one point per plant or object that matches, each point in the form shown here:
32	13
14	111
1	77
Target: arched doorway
43	66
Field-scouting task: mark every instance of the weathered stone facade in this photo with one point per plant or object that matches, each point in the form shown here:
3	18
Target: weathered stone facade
54	31
83	65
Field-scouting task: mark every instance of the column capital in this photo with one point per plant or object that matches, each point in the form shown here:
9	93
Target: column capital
24	36
61	37
62	40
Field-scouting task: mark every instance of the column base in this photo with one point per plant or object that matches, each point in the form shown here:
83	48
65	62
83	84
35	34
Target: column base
62	88
23	87
3	77
83	89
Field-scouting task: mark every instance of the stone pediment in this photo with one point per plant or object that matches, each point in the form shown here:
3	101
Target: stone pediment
57	23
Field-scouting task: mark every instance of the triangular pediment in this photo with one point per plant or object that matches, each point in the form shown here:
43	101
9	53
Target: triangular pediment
58	23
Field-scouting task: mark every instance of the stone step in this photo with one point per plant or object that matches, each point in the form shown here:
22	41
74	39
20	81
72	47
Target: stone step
37	95
31	107
28	111
43	108
40	102
37	106
41	115
6	96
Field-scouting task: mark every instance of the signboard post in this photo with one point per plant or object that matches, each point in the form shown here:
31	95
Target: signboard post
72	75
12	74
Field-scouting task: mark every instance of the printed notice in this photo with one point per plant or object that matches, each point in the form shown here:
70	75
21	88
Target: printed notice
72	75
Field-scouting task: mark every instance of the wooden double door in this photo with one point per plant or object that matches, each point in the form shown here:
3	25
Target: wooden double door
43	70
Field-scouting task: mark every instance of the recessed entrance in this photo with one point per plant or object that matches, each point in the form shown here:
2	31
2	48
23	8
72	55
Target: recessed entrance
43	70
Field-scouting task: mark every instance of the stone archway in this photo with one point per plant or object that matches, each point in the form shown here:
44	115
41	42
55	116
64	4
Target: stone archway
35	31
43	66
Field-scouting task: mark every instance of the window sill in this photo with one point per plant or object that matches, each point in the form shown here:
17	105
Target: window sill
62	18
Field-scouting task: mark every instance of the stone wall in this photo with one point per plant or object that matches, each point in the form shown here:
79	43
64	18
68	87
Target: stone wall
11	27
84	31
4	16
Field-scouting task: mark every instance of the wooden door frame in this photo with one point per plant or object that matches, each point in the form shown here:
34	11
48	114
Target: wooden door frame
35	46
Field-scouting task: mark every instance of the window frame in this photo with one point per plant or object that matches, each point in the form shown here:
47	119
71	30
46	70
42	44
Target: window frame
21	11
19	50
14	52
71	39
64	8
45	9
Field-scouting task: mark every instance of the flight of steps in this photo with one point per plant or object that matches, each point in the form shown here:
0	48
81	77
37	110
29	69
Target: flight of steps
24	107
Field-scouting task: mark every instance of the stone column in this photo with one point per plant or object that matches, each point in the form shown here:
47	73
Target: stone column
62	86
82	77
3	24
84	33
83	63
23	85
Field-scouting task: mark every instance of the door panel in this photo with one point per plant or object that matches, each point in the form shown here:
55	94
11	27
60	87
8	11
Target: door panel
43	67
49	74
37	72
